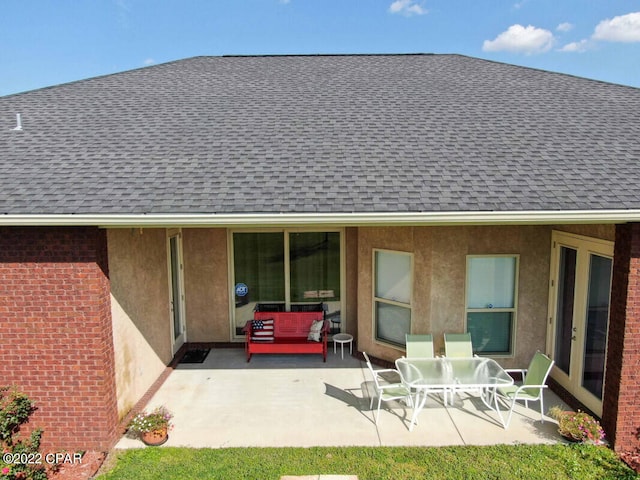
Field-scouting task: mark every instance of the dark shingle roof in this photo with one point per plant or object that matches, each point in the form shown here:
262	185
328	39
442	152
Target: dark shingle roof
351	133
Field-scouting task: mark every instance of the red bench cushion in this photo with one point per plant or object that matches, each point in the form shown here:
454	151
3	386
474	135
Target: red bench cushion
289	324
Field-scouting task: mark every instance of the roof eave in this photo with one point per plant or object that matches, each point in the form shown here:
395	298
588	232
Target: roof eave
319	219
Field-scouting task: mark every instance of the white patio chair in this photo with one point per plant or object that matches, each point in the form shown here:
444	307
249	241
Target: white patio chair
387	391
419	346
458	345
533	385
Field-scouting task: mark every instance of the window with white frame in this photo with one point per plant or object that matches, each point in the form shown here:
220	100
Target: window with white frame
491	304
392	287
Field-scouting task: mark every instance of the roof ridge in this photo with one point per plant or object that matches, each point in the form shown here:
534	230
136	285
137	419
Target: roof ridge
314	55
270	55
186	59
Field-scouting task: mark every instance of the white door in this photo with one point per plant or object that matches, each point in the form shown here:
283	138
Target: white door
176	292
579	314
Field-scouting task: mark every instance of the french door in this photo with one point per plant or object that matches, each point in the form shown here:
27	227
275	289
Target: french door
176	290
579	314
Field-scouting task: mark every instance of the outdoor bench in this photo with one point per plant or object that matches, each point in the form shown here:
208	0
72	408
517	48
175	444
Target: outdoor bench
285	332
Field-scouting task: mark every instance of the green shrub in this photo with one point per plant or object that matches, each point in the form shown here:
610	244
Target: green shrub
21	458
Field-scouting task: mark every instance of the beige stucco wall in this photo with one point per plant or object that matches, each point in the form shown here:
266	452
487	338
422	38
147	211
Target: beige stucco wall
206	285
140	289
603	232
140	310
439	280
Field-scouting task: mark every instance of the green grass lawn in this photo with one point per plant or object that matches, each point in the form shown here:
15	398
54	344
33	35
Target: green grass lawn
499	461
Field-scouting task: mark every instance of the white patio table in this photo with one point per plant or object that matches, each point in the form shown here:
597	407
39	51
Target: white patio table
442	374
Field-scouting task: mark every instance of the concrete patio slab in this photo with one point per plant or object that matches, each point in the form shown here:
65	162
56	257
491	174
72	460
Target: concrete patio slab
299	401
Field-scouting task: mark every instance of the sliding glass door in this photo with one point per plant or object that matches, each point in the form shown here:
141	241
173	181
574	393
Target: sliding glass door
281	269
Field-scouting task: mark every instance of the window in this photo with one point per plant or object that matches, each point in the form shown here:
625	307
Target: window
392	273
259	264
314	259
491	302
281	269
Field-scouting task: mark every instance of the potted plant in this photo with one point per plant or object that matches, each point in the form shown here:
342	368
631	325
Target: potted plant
577	426
152	427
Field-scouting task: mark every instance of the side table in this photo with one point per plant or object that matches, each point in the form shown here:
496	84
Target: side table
343	338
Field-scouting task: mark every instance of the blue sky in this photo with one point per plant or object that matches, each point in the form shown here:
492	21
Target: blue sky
47	42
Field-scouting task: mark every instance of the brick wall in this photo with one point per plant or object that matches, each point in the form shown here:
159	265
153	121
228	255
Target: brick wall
56	334
621	404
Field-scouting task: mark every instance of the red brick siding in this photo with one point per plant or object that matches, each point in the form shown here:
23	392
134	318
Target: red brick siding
621	404
56	332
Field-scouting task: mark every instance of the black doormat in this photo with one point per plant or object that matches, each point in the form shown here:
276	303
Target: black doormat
195	356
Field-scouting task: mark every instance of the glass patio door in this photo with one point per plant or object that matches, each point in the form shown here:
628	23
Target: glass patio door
597	324
259	274
579	306
566	286
176	292
283	269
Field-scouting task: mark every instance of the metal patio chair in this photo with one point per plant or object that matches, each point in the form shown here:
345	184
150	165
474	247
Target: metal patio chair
419	346
458	345
533	385
387	391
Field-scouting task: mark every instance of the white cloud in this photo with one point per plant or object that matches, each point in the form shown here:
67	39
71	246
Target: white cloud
408	7
624	28
148	61
564	27
519	39
581	46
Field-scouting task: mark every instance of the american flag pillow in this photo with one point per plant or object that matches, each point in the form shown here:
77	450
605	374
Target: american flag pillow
262	330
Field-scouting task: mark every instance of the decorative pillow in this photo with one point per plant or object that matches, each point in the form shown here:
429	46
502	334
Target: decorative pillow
262	330
314	331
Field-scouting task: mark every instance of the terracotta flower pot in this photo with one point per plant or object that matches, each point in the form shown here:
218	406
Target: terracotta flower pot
569	438
578	427
155	438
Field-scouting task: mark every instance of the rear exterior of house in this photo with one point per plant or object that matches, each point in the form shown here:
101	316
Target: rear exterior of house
148	210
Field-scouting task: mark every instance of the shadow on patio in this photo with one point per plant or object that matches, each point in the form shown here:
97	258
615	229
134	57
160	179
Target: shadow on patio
299	401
